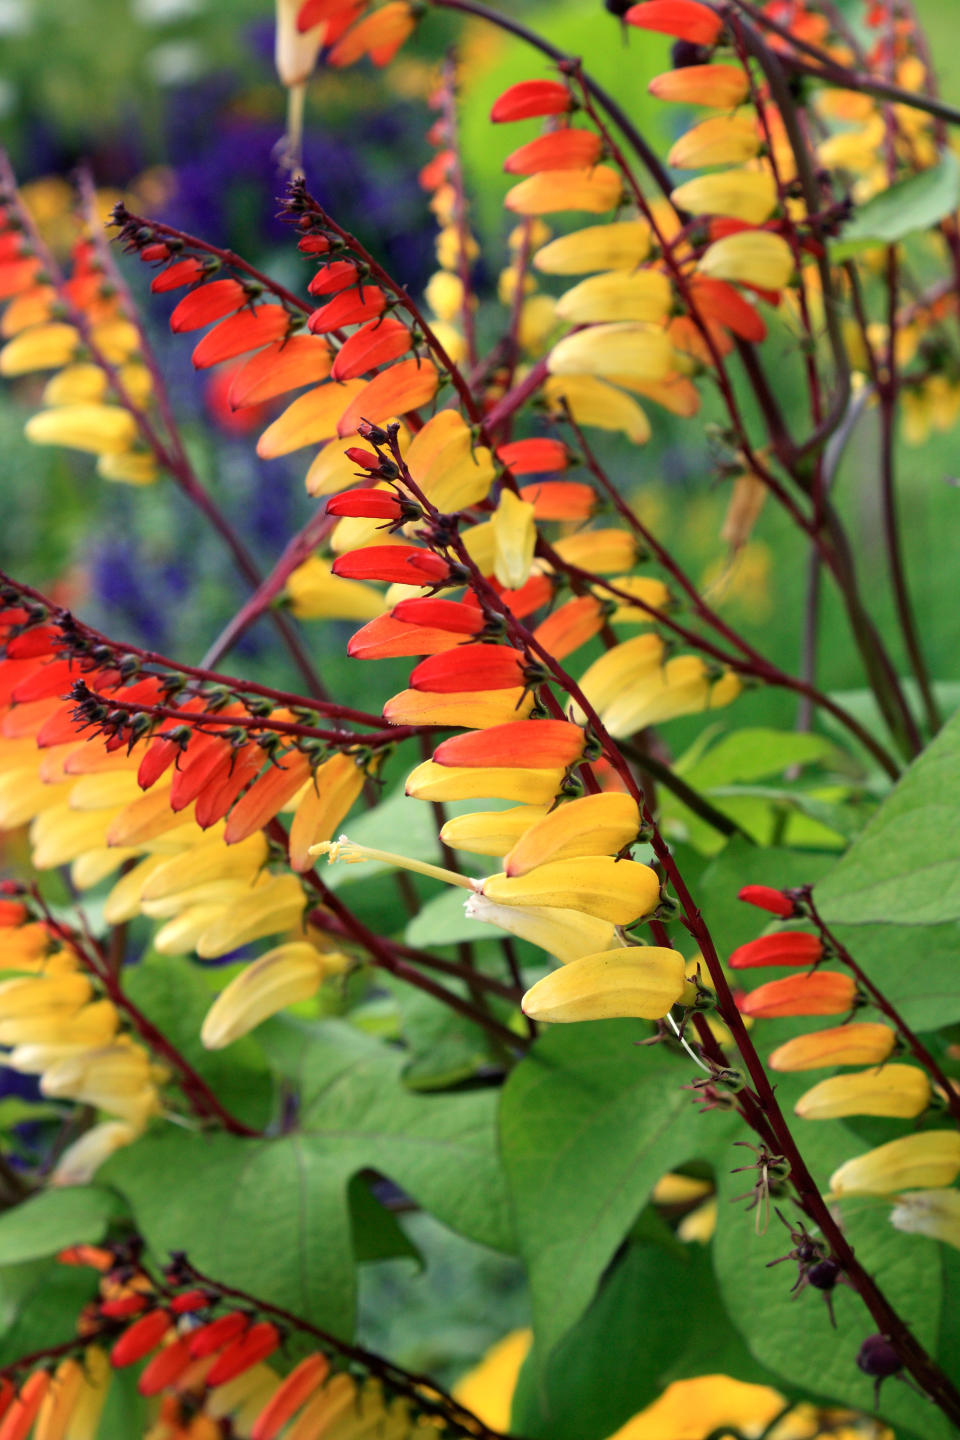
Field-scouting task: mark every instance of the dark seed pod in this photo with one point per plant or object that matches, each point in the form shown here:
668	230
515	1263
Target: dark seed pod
878	1358
824	1275
685	52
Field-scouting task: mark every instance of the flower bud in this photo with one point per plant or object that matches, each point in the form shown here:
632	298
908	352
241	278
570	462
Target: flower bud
913	1162
766	898
638	982
786	947
897	1091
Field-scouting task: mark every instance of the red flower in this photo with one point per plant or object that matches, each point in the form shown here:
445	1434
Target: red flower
396	564
375	343
206	304
531	98
471	667
241	333
789	947
684	19
766	898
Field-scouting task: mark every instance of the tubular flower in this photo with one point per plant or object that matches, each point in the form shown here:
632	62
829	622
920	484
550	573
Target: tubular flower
900	1091
622	348
592	824
787	947
824	992
565	934
279	978
684	19
860	1043
765	897
722	140
531	98
720	86
515	537
748	195
637	982
595	190
752	257
616	890
925	1161
617	295
540	743
490	832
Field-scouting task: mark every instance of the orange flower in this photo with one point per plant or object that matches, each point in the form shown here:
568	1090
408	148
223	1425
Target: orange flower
471	667
402	387
822	993
397	564
375	343
208	303
719	86
566	149
528	743
534	456
286	364
352	307
239	334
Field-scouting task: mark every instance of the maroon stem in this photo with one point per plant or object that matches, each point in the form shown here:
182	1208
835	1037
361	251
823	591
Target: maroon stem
915	1359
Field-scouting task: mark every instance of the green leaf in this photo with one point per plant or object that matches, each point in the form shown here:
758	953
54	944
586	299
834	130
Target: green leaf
589	1121
272	1216
377	1233
904	868
752	754
793	1337
40	1302
172	994
445	1048
52	1220
614	1362
905	209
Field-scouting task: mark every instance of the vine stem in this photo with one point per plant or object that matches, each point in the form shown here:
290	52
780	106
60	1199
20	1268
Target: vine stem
885	1006
761	1100
71	627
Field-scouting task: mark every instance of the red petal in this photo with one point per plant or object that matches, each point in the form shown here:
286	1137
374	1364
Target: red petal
789	947
338	275
766	898
184	272
260	1341
387	637
232	776
206	304
470	667
142	1336
249	330
17	275
530	98
396	564
38	640
351	308
165	1367
719	301
285	365
684	19
567	149
543	744
374	344
218	1333
314	12
371	504
54	678
393	392
534	456
450	615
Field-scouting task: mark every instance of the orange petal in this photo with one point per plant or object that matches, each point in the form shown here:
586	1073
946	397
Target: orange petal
402	387
308	420
566	149
684	19
560	500
531	98
541	744
206	304
285	365
376	343
266	796
238	334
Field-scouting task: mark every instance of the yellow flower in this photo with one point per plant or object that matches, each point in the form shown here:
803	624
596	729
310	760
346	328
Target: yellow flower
42	347
748	195
472	709
275	905
935	1213
594	824
641	587
901	1091
752	257
914	1162
594	402
430	781
565	934
134	467
80	1161
694	1409
637	982
316	593
283	976
620	245
721	140
617	295
616	890
102	429
627	348
444	294
491	832
860	1043
515	538
325	801
76	384
602	551
488	1388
